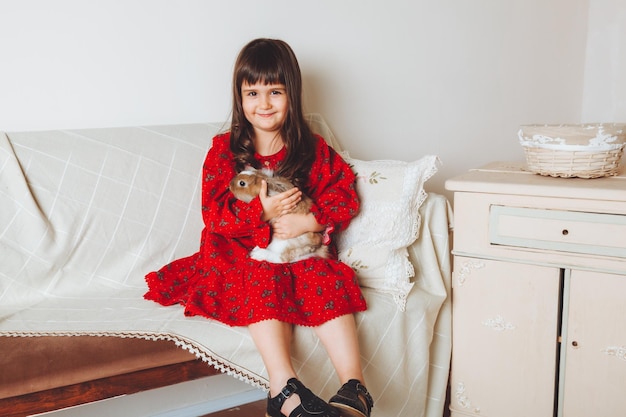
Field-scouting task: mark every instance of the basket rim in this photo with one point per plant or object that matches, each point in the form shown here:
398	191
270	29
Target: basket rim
569	148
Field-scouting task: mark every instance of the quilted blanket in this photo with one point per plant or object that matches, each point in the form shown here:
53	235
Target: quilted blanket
84	214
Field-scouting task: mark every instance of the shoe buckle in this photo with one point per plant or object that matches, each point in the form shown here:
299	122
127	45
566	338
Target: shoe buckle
288	390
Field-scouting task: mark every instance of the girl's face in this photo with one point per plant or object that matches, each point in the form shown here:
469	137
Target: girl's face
265	106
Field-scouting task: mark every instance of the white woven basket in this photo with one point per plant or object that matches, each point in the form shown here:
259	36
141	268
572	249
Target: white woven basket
566	164
583	151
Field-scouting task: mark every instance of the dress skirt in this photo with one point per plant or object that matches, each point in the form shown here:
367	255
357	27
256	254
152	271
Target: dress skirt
222	282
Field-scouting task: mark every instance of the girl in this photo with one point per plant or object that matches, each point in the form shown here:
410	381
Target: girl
221	282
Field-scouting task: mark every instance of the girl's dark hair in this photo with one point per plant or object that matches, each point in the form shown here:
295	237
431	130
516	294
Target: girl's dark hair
272	61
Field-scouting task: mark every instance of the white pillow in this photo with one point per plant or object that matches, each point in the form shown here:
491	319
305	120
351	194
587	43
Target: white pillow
375	244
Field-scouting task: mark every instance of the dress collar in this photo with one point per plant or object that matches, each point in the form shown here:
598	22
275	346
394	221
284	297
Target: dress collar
271	161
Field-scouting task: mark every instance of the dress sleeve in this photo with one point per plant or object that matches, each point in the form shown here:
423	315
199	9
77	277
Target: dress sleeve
332	188
221	211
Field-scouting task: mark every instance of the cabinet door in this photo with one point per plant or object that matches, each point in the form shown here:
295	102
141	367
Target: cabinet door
505	318
595	354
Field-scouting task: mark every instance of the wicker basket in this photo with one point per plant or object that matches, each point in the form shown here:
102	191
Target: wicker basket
583	151
566	164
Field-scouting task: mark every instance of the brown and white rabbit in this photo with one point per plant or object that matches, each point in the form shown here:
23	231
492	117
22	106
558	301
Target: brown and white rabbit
245	186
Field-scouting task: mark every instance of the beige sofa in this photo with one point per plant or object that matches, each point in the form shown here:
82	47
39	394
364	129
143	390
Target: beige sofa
84	214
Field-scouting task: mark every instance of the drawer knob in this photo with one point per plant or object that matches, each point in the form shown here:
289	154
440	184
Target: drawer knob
575	343
565	232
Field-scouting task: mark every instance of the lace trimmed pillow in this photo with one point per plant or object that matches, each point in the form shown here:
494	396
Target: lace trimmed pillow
375	244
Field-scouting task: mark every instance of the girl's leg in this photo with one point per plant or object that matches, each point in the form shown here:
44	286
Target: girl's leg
273	341
340	339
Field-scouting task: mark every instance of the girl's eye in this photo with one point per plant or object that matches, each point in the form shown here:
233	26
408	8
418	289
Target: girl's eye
252	93
276	92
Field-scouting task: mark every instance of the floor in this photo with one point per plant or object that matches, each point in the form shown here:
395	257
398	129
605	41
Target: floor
201	397
254	409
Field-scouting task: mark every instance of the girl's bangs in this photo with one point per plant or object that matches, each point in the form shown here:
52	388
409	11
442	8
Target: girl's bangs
263	71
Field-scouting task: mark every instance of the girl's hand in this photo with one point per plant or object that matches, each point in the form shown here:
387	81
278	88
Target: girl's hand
294	224
278	204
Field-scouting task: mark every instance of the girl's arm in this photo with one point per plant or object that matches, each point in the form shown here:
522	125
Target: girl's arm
332	188
221	211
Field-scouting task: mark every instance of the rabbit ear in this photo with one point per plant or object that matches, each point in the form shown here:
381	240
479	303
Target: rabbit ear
257	180
266	172
278	184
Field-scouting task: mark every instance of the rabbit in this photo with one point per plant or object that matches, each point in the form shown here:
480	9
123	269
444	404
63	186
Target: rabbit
245	186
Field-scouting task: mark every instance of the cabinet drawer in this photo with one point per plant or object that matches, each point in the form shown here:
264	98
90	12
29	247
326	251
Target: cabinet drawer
558	230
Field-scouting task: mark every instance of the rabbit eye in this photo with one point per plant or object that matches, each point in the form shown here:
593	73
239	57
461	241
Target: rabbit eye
242	183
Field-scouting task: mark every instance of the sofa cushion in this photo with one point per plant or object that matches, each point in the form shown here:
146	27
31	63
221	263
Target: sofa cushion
375	244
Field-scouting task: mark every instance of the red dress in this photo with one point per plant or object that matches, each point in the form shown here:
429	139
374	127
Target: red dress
221	282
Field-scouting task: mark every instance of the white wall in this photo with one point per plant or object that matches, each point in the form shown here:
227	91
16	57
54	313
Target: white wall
605	70
395	79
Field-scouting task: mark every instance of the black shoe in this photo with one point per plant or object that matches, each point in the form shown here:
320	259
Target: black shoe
310	404
353	400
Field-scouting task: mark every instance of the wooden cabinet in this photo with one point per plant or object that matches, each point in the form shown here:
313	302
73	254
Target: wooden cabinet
539	295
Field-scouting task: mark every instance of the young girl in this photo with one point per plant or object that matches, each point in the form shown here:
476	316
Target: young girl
221	282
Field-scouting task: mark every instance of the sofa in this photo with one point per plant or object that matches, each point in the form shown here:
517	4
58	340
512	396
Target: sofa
86	213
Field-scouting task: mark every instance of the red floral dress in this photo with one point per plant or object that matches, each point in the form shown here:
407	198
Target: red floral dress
221	282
